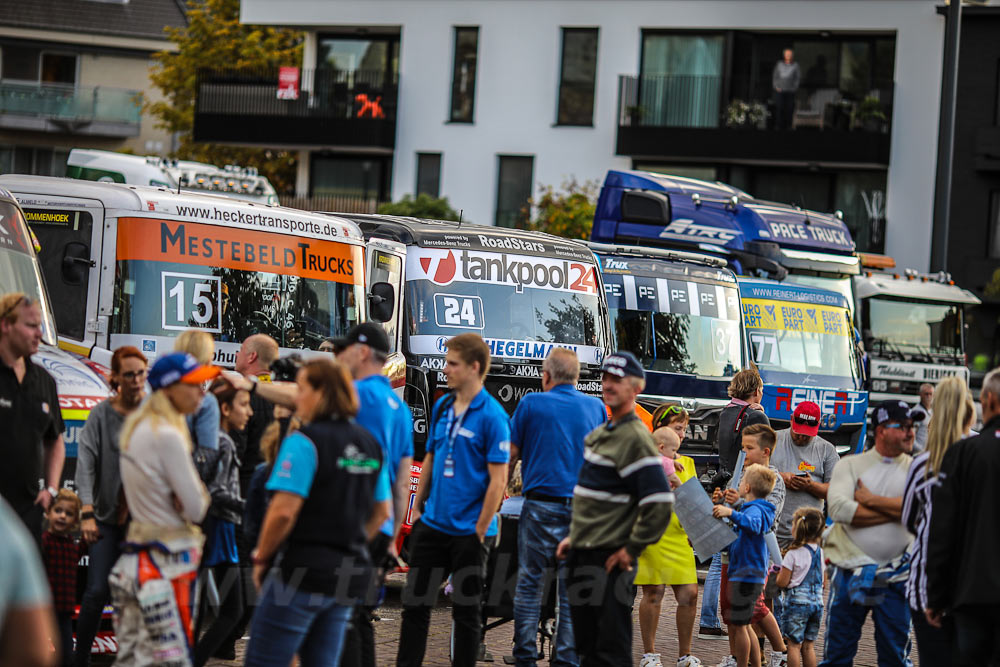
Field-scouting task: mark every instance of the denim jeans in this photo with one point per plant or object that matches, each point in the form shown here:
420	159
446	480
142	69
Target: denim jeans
104	554
542	526
710	596
289	622
844	620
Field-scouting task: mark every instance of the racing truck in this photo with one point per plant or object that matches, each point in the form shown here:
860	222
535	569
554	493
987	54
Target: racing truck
801	340
110	167
679	313
913	329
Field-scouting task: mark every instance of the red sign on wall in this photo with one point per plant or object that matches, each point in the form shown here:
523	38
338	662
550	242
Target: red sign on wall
288	83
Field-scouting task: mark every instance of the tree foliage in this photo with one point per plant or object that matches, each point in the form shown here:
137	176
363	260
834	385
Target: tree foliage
421	206
568	212
214	37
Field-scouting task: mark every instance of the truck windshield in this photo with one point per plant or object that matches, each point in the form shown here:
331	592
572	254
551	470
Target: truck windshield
515	319
162	299
915	326
676	326
19	268
801	343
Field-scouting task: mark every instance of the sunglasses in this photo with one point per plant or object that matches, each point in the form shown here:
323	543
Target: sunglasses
670	412
901	427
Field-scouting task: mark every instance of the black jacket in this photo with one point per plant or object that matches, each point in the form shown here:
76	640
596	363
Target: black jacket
732	420
964	539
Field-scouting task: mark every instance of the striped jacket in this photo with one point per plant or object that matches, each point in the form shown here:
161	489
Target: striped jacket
622	498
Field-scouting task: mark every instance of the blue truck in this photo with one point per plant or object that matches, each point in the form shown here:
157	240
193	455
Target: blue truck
756	238
679	313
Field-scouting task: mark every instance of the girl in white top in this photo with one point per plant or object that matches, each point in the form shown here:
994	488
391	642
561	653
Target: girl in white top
802	577
165	498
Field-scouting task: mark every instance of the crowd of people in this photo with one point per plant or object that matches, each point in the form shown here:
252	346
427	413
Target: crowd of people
270	499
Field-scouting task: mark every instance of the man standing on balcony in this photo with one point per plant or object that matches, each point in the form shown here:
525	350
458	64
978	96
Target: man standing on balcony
785	79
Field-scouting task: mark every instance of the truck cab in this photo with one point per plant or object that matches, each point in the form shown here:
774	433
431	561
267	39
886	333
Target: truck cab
109	167
679	313
132	265
802	342
913	330
80	383
756	237
523	292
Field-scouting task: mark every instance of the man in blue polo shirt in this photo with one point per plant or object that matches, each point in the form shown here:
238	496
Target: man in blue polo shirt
364	352
547	432
461	484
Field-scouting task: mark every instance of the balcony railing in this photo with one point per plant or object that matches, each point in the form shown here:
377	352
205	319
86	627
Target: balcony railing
701	101
83	109
353	108
700	115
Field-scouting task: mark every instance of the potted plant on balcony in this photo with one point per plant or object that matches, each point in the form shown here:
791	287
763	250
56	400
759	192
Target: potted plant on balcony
740	113
635	113
869	115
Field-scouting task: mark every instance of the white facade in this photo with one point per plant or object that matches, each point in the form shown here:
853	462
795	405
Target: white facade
517	84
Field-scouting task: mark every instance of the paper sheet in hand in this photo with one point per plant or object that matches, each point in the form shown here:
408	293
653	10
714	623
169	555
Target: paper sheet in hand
693	506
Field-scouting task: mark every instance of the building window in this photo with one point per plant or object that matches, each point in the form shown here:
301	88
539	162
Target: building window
514	181
681	80
36	66
463	76
350	177
994	246
429	174
577	76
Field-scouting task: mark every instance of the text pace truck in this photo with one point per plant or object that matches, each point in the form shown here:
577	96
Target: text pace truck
79	382
801	340
130	265
679	313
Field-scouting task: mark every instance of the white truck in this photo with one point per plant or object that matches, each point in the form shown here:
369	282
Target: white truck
110	167
131	265
913	330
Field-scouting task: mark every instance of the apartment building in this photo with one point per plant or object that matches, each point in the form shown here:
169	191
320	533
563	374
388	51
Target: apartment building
74	73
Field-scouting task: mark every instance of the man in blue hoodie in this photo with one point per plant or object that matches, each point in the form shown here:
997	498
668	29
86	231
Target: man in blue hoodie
748	557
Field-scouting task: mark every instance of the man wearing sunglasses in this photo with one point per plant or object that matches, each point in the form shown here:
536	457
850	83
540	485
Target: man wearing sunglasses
868	545
29	411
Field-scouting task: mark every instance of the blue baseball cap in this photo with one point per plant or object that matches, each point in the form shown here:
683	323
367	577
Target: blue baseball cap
179	367
623	364
895	411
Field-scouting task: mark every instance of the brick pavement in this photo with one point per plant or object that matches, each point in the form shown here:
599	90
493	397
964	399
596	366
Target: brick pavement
711	652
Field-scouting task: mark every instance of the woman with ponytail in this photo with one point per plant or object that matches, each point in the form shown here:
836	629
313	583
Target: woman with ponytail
953	414
166	498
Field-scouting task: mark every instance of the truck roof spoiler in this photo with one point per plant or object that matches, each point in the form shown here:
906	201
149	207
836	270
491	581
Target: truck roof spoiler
660	253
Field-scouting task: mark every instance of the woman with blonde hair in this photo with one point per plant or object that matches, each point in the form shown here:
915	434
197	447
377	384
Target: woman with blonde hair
166	499
204	423
953	414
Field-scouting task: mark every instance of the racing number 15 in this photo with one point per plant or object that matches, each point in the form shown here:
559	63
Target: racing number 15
191	301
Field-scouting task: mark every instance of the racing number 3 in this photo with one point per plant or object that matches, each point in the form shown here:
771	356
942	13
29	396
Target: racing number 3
191	301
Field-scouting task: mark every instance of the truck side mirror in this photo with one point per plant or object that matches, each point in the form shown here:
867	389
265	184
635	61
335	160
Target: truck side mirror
76	263
381	302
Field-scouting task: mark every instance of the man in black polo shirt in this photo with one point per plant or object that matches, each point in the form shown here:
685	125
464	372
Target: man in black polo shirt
29	411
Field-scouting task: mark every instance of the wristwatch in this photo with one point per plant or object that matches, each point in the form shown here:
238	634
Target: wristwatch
52	491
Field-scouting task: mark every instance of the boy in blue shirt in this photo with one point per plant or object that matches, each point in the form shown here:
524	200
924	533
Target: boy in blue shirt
748	556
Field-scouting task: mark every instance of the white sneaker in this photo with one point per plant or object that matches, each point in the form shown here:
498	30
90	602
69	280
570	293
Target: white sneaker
778	659
728	661
650	660
688	661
